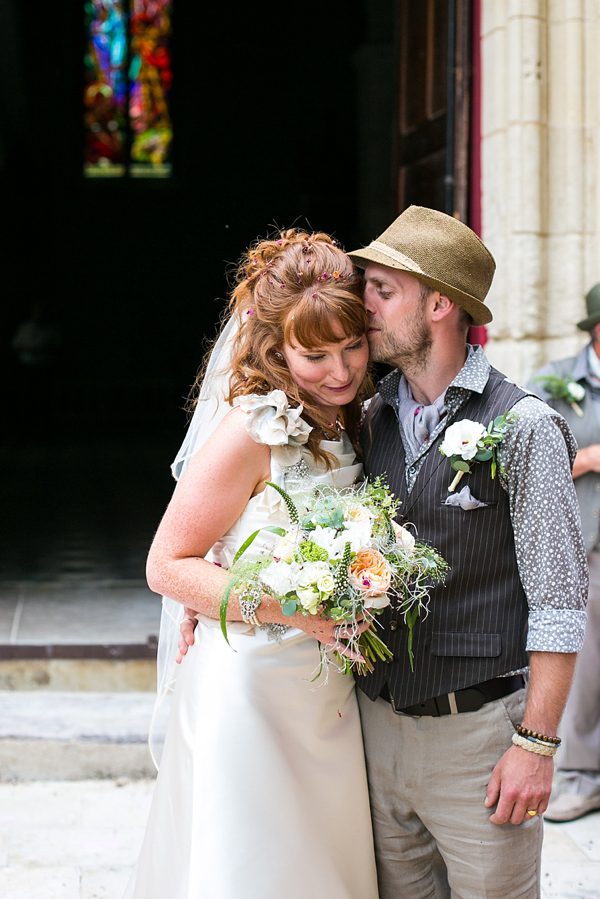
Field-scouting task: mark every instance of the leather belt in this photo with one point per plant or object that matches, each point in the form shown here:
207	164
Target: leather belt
468	700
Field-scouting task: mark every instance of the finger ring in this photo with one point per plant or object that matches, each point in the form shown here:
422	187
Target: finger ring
531	812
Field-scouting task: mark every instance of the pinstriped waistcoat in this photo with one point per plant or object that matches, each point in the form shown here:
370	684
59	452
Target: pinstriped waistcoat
477	622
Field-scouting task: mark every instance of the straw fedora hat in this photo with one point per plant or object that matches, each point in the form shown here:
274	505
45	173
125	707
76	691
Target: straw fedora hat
439	251
592	304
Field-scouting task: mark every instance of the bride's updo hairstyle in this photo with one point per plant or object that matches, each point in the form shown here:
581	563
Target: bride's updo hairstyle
295	289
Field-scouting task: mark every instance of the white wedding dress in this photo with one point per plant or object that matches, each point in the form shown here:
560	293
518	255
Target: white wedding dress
262	790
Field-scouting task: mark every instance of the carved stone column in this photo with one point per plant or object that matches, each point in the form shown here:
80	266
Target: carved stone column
540	130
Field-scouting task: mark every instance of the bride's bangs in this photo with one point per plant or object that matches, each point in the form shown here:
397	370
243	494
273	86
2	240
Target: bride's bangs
315	318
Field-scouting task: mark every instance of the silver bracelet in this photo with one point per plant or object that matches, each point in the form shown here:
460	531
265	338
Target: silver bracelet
249	601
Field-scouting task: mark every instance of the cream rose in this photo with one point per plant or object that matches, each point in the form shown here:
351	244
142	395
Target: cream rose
404	538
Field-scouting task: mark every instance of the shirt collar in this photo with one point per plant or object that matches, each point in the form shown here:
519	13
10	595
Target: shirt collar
473	377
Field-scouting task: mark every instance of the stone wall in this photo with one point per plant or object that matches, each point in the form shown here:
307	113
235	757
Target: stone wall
540	160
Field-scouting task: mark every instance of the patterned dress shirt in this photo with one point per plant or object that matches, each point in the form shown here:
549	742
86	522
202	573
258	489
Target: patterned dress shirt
536	457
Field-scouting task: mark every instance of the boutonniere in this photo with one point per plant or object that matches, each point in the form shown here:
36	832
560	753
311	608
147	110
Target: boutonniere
466	442
564	388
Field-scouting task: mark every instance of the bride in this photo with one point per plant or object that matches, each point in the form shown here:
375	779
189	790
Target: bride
262	790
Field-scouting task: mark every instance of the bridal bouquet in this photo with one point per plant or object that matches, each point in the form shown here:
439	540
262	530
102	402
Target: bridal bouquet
343	557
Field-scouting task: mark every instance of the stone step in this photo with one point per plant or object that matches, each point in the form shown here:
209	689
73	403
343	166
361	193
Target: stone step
26	671
55	735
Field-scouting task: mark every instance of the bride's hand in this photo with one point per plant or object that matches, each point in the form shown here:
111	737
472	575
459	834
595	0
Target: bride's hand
186	634
330	633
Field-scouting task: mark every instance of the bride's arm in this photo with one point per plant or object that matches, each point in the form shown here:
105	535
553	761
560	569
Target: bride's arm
211	496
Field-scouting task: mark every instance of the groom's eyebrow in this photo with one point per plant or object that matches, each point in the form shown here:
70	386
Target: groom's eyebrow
375	280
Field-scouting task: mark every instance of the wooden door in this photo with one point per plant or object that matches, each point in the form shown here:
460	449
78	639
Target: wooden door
434	53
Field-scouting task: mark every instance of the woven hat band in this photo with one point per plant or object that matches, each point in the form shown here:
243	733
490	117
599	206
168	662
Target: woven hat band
397	256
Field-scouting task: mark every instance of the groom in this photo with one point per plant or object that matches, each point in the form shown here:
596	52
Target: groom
444	775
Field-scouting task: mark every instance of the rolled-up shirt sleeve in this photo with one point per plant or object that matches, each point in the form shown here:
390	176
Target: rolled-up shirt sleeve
536	458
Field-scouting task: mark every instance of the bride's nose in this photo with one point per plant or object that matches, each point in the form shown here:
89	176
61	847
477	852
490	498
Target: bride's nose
340	370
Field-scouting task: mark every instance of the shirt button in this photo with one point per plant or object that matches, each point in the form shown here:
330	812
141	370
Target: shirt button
596	513
393	625
598	486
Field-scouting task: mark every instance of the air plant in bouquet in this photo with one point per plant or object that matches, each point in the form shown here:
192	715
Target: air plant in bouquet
343	557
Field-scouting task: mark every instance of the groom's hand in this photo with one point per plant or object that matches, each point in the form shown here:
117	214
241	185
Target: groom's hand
520	782
186	633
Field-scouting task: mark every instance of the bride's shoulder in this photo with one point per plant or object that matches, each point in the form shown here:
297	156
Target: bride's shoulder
270	419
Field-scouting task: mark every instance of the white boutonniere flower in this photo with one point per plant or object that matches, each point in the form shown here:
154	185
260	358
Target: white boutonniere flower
466	442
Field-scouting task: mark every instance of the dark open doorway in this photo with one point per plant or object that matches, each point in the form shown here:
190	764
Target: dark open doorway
299	114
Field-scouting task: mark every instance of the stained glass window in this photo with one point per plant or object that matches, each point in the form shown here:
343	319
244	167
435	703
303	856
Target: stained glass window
128	129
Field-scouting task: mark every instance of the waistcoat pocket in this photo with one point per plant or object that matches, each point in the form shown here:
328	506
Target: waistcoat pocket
473	645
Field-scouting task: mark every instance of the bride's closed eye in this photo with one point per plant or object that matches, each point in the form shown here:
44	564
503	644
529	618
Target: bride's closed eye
355	346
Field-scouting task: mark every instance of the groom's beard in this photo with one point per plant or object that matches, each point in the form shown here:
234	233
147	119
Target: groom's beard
409	353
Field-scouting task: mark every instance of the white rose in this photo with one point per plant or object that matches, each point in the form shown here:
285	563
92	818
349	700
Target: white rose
404	538
311	572
576	391
461	439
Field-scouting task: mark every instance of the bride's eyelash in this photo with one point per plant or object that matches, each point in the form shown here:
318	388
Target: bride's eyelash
354	346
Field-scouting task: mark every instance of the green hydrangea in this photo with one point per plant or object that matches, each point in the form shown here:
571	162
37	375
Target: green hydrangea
310	552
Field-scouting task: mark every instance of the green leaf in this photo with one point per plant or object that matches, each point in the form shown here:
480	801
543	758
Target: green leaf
289	607
499	421
252	538
460	465
483	456
223	612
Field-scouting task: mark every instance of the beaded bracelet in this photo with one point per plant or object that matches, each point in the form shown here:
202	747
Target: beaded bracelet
525	732
533	745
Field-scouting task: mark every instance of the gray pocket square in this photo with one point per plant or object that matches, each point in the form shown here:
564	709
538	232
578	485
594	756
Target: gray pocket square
465	500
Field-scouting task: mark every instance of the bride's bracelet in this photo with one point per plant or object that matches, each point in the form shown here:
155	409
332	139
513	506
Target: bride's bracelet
249	600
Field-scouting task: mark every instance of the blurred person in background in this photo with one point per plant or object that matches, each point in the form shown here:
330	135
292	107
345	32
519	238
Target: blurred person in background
572	387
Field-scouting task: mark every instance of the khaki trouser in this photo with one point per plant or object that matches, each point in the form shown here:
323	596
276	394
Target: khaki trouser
427	780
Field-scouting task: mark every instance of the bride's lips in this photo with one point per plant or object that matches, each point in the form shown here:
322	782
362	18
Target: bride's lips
343	388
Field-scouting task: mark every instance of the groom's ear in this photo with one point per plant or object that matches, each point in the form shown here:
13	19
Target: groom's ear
441	307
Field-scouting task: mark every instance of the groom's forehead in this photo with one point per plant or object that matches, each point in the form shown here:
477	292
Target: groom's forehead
375	273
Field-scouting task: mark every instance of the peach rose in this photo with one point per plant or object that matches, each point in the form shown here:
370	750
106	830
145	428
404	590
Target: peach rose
370	573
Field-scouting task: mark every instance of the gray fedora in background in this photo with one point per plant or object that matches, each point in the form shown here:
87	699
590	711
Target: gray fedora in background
592	304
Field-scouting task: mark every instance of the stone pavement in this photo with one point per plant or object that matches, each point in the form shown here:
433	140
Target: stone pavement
80	839
77	637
